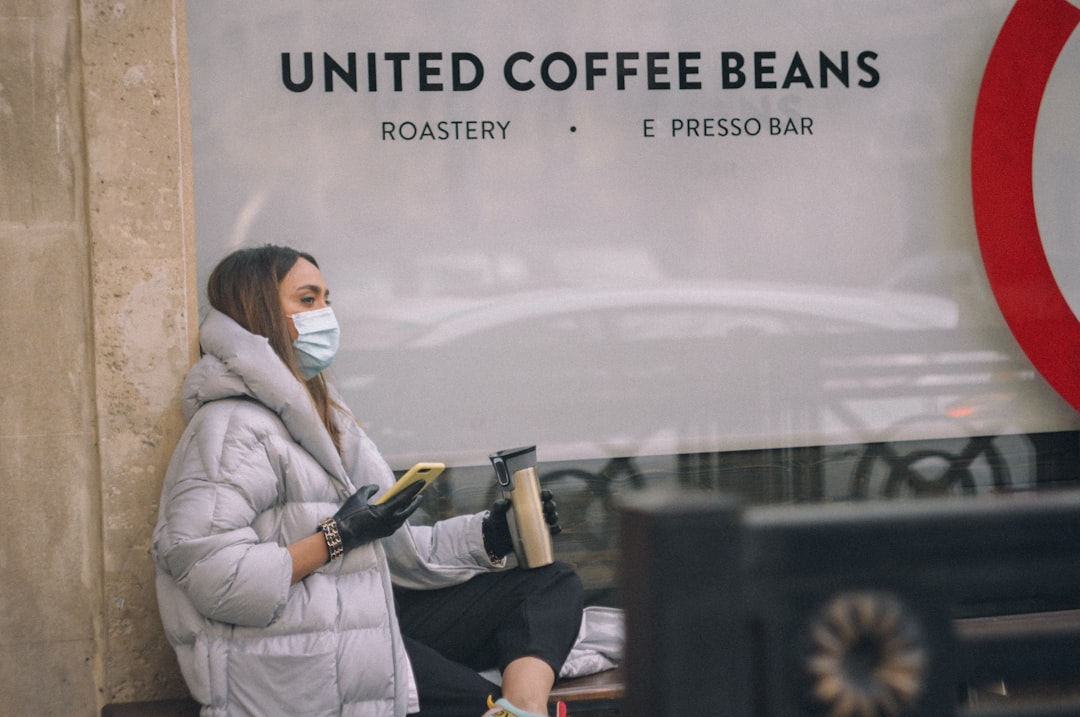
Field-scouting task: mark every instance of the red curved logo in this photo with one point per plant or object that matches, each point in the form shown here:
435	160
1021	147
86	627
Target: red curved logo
1002	150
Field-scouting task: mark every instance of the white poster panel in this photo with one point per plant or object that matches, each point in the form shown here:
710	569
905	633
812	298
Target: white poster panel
626	228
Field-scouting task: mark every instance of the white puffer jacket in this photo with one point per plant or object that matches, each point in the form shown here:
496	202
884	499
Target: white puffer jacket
255	471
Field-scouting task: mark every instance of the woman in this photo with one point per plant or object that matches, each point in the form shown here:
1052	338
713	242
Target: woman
283	589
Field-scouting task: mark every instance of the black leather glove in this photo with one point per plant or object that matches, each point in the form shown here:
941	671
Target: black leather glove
551	512
497	539
359	522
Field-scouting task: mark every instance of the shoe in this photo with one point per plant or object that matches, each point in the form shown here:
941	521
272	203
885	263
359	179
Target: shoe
503	708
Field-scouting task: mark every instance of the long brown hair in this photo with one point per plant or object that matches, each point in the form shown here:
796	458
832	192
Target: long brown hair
244	287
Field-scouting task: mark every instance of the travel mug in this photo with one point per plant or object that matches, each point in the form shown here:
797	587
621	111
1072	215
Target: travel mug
515	470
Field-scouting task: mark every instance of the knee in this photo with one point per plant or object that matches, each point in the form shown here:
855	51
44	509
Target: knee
565	579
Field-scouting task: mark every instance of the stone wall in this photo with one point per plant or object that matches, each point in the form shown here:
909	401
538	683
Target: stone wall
97	315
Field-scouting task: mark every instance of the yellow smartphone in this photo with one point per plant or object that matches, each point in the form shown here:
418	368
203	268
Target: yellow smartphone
425	472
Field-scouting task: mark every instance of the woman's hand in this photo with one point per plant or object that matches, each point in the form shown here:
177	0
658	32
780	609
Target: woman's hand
551	513
497	540
359	521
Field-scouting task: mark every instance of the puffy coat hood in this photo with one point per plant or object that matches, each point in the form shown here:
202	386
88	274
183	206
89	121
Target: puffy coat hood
240	364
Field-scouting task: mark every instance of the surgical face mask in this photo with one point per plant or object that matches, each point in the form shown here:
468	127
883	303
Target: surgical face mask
318	335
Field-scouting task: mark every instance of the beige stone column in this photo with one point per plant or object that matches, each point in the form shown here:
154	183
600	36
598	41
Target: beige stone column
50	546
96	312
140	221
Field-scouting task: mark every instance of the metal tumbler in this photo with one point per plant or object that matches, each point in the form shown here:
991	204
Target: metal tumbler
515	470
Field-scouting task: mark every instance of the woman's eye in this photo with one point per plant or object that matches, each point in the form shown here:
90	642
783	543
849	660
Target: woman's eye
307	300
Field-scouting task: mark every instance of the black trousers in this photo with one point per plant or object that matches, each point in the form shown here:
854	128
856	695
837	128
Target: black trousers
487	622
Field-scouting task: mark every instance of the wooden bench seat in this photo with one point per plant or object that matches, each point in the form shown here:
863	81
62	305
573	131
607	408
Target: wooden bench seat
153	708
601	693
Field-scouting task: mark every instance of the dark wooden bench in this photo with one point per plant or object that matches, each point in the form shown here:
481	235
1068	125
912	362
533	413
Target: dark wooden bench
152	708
883	608
586	696
600	694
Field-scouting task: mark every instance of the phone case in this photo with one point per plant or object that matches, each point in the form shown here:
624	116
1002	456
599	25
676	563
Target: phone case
425	472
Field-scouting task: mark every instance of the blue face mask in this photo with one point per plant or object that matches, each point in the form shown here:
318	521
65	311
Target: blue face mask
318	335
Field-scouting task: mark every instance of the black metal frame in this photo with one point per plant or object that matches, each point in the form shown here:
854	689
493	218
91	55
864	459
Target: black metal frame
851	609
